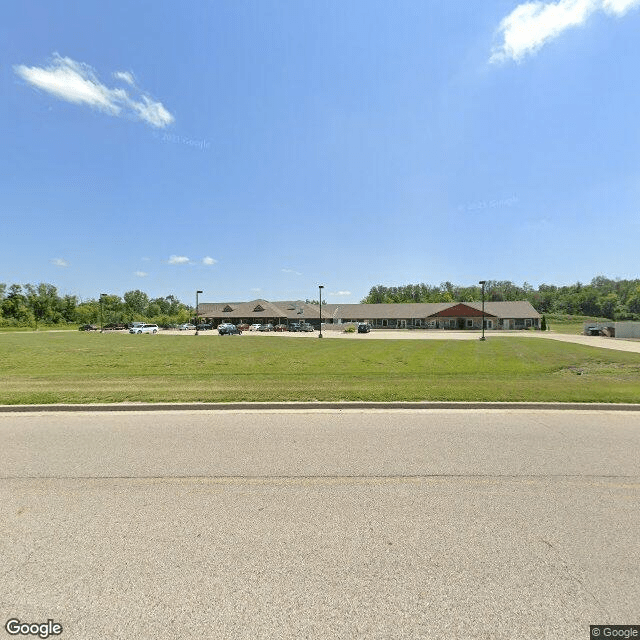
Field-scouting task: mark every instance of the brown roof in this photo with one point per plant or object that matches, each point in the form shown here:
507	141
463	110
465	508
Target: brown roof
519	309
291	309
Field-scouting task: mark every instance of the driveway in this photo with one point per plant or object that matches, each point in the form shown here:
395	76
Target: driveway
435	334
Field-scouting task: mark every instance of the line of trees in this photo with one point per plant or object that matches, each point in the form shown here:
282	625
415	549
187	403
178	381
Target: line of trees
602	297
31	305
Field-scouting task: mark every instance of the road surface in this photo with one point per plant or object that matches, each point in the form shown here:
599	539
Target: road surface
321	524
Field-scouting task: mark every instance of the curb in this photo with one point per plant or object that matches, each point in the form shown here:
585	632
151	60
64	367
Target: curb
310	406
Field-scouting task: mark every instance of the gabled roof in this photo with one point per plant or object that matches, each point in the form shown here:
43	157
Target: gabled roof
462	310
406	311
296	310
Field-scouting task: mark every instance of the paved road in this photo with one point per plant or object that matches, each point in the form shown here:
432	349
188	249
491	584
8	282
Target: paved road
382	334
324	524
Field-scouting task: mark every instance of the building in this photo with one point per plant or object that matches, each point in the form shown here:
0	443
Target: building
418	315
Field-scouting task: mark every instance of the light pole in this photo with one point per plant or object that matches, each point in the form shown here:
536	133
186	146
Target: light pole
196	318
320	288
102	295
482	282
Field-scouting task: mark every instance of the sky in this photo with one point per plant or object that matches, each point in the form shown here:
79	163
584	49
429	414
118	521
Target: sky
260	149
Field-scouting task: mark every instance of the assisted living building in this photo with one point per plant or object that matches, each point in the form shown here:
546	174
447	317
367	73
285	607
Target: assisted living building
418	315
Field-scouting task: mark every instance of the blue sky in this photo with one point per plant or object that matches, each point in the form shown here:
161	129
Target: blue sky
258	149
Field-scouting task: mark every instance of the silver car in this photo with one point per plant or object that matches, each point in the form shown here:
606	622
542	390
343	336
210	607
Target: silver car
144	328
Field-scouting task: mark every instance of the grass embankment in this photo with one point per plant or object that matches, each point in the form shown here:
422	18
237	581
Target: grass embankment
88	367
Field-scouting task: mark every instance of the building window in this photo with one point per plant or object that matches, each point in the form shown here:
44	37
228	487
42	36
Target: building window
469	323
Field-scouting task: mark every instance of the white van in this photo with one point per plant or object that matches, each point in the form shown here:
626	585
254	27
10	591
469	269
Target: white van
144	328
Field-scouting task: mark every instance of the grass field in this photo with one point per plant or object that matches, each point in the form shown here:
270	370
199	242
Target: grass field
74	367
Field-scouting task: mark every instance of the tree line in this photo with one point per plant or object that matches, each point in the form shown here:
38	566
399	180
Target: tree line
602	297
30	305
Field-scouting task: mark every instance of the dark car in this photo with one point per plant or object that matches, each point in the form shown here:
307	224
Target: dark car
281	327
205	326
364	327
243	327
88	327
228	329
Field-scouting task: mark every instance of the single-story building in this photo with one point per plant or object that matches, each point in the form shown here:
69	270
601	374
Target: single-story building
418	315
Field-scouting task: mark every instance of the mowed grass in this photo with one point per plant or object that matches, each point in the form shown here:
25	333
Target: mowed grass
44	368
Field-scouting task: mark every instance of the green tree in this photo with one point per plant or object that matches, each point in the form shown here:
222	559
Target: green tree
136	303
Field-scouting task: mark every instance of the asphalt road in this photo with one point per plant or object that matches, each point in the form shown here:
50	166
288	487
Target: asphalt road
325	524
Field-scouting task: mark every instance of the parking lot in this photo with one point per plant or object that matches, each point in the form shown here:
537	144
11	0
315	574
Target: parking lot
427	334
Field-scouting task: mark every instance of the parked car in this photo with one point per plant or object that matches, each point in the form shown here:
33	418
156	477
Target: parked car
228	329
88	327
266	327
305	326
294	326
243	327
145	328
205	326
280	327
116	326
255	327
187	326
364	327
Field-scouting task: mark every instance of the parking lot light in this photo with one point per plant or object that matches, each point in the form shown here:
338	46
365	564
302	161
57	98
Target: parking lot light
482	282
196	318
320	288
102	295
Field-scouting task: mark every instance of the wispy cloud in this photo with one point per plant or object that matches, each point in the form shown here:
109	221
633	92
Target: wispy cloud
208	260
78	83
532	24
340	293
125	76
141	274
295	273
178	260
59	262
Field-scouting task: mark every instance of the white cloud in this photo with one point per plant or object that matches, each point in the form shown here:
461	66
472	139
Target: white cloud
532	24
209	260
178	260
619	7
59	262
340	293
296	273
125	76
141	274
76	82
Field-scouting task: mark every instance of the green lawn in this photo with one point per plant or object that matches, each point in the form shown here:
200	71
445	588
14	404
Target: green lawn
75	367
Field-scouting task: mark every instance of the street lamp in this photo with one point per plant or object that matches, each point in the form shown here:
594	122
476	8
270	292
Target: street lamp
320	288
196	318
482	282
102	295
